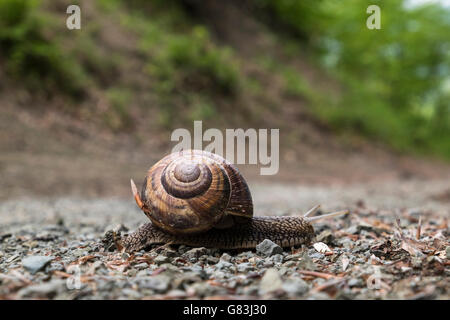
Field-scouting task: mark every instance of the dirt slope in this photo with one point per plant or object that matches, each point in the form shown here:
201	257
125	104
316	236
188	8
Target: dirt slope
45	150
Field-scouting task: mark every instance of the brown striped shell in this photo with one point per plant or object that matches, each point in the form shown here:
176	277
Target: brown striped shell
193	191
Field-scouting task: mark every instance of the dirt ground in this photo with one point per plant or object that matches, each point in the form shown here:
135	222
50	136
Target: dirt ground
61	190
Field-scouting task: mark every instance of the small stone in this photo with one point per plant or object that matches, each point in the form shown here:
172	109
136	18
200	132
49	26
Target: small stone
185	279
80	253
294	257
276	258
244	267
12	258
283	271
355	282
168	252
224	265
141	266
268	264
56	267
161	259
325	236
268	248
4	236
176	294
295	287
195	253
203	289
47	289
319	296
271	281
317	255
131	293
251	290
345	261
212	260
246	254
170	268
289	264
225	257
132	273
159	283
306	263
447	252
34	264
219	275
321	247
352	230
416	262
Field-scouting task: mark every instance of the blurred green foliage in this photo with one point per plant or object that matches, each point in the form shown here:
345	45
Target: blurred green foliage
118	117
188	67
30	55
395	81
197	63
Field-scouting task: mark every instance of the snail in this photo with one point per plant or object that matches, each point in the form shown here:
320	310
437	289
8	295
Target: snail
198	198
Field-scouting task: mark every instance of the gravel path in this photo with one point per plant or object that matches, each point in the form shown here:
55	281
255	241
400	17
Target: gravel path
52	249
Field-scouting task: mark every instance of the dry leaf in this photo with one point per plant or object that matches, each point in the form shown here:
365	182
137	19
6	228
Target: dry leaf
321	247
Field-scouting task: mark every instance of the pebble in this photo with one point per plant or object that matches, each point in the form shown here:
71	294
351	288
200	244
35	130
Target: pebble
195	253
352	229
447	252
317	255
271	281
306	263
268	248
159	283
133	294
224	265
321	247
276	258
225	257
12	258
212	260
43	290
176	294
289	264
141	266
355	282
161	259
244	267
181	272
294	257
319	296
268	264
325	236
203	289
295	287
34	264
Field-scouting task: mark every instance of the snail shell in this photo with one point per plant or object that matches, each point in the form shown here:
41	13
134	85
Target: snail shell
193	191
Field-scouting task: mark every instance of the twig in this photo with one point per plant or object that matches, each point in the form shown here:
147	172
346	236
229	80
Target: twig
419	226
322	275
328	284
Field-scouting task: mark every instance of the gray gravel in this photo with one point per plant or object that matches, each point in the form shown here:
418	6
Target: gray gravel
53	249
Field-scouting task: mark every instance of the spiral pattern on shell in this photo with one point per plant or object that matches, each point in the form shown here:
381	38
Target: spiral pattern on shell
191	191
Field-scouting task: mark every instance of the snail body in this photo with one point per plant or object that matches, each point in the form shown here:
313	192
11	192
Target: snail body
197	198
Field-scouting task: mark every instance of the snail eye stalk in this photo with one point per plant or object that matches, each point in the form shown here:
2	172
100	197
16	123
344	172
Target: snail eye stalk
137	198
328	215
